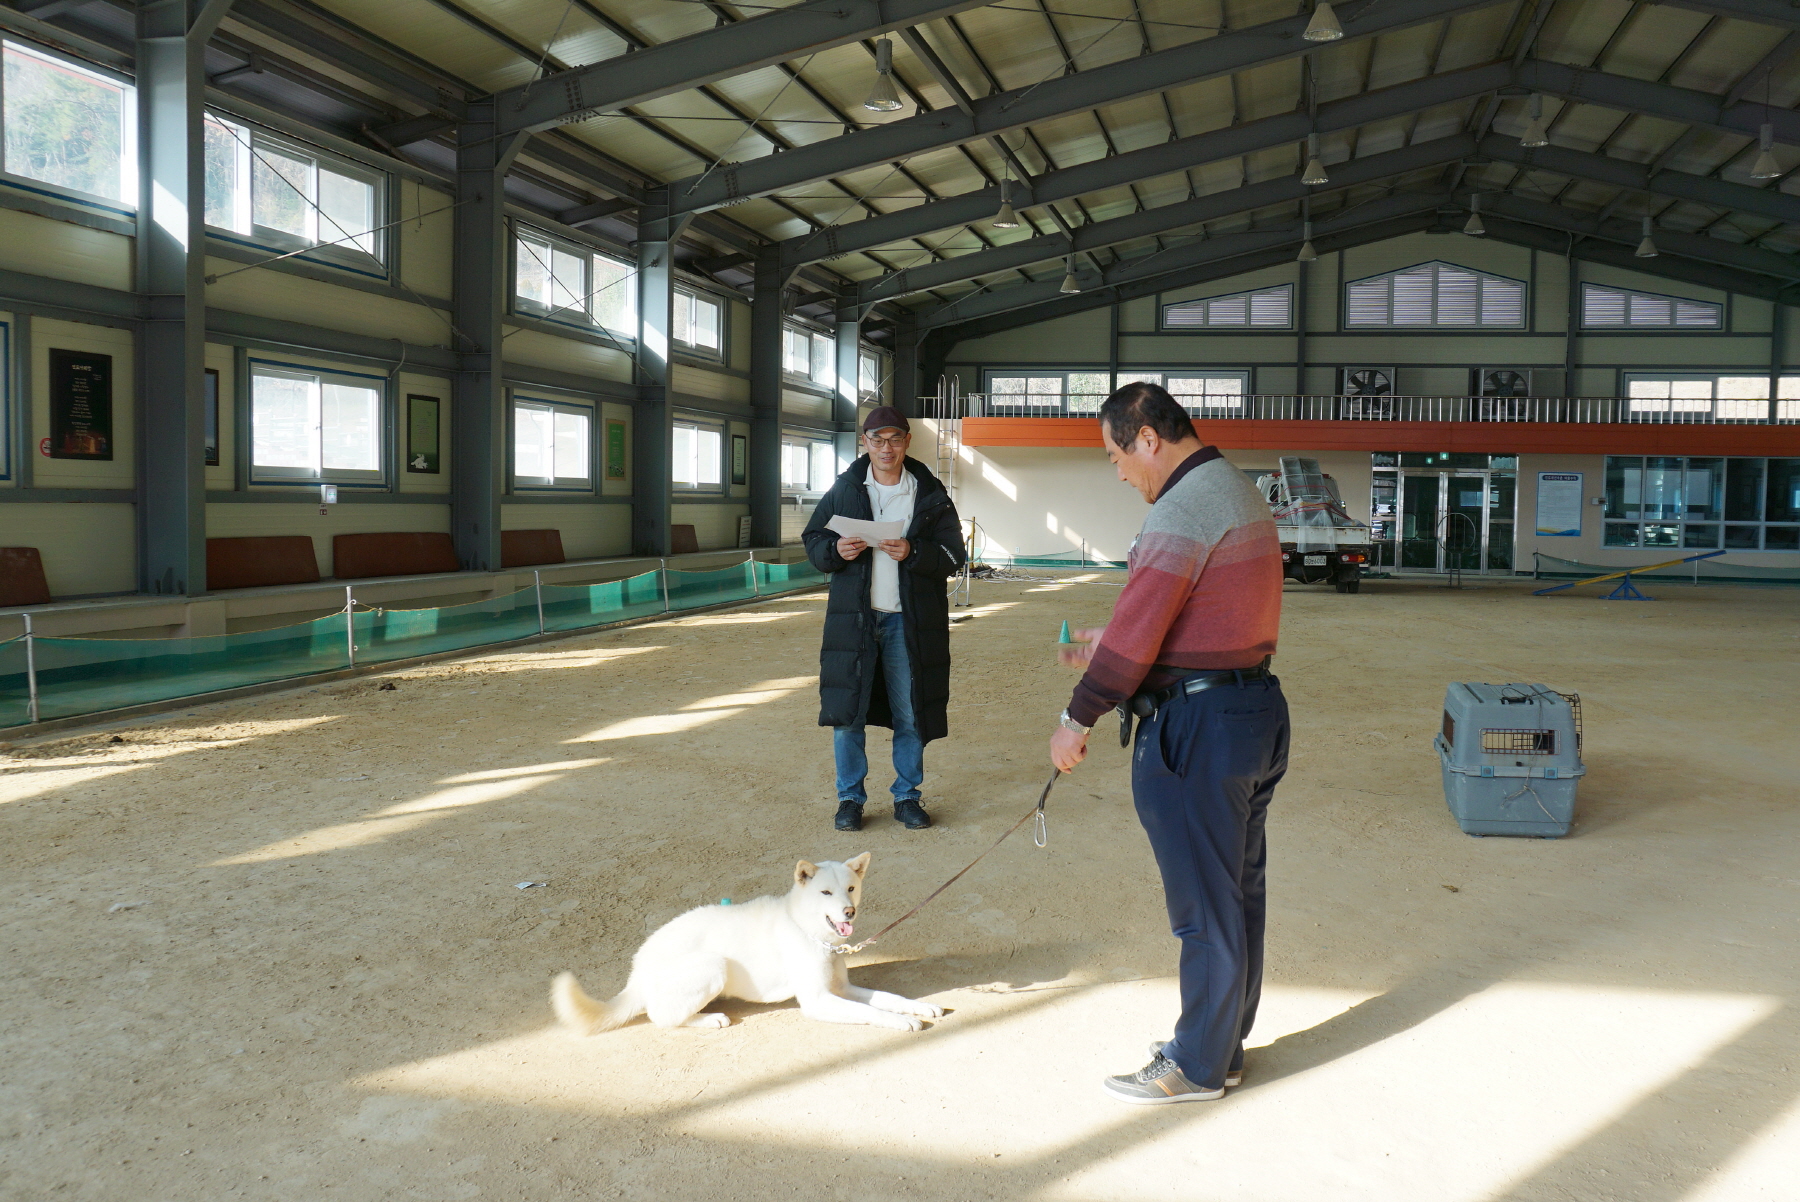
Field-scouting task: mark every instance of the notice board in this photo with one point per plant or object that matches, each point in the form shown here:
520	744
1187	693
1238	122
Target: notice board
1559	505
81	406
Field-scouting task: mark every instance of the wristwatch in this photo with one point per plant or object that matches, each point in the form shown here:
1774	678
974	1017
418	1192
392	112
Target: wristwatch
1073	725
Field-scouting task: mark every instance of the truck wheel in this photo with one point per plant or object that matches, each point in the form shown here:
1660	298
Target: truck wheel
1349	586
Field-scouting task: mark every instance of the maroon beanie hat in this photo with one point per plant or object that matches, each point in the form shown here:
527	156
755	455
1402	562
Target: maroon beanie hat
883	416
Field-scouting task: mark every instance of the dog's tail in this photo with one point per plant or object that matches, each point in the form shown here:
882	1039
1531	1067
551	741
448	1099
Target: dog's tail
583	1014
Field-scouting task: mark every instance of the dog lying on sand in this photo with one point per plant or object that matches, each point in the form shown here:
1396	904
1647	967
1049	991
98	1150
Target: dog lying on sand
767	950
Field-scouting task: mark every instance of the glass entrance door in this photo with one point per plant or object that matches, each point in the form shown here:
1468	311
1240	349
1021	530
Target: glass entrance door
1465	512
1458	519
1420	504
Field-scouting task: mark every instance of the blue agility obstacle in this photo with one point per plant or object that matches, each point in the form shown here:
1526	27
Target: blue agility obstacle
1626	591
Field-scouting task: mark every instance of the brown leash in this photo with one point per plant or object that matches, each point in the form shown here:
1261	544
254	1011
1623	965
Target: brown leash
1041	838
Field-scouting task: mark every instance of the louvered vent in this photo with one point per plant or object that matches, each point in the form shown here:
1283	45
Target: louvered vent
1264	307
1435	294
1646	310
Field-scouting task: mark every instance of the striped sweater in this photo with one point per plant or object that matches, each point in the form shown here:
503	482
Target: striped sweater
1204	589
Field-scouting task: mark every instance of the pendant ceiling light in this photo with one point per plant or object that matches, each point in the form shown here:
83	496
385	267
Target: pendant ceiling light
1535	134
1069	284
1647	248
1005	219
1474	228
1314	172
1307	253
884	97
1766	167
1324	25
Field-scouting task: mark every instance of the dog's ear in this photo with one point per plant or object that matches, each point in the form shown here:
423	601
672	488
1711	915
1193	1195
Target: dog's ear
805	871
859	865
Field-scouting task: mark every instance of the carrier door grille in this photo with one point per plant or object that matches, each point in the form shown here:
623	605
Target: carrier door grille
1517	742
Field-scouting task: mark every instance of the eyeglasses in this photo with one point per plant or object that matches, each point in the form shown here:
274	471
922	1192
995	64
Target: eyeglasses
899	440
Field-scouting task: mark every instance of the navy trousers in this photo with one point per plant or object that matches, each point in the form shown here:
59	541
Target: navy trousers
1203	771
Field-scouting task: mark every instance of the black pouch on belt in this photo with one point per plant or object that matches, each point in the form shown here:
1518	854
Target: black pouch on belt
1139	705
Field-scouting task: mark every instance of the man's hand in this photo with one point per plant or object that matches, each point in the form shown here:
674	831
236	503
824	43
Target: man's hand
849	547
1067	748
1076	654
896	548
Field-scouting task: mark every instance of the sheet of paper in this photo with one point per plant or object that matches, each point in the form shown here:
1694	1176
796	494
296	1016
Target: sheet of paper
869	532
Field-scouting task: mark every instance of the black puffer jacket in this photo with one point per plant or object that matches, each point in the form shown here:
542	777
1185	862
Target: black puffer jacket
847	657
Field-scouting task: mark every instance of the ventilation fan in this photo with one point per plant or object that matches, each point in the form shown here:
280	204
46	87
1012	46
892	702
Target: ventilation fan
1502	382
1368	381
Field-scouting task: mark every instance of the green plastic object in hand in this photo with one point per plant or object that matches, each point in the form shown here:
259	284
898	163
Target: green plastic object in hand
1064	636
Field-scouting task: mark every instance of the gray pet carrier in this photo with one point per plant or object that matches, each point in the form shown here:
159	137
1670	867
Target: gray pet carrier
1511	755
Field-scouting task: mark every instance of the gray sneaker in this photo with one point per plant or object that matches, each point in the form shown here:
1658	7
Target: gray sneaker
1234	1077
1157	1084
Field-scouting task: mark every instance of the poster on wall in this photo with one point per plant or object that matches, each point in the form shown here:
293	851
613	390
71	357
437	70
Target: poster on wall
1559	504
212	417
422	434
81	408
615	450
740	459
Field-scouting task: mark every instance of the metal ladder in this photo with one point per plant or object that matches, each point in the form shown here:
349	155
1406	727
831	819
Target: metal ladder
945	409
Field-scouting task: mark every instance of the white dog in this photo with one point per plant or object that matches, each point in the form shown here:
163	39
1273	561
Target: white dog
767	950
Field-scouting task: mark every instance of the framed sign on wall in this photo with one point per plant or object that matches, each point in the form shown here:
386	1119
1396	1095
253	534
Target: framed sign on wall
740	459
615	450
422	434
1559	505
212	417
81	406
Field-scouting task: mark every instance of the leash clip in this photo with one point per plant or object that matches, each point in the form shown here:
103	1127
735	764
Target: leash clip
1041	835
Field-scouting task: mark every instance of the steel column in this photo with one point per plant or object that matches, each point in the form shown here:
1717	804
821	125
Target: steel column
652	431
765	401
849	348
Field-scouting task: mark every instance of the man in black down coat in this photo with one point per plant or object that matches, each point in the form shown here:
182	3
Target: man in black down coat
885	659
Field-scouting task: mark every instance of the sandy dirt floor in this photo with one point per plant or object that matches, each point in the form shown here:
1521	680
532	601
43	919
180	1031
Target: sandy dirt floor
274	949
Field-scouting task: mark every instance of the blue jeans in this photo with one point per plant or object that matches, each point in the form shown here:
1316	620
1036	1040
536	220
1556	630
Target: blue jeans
847	743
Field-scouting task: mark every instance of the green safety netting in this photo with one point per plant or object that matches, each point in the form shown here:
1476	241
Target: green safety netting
85	676
1049	559
1710	571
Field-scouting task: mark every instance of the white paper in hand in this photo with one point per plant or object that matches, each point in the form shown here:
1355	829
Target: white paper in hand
870	532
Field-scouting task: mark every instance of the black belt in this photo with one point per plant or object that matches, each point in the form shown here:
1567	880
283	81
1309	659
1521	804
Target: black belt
1189	681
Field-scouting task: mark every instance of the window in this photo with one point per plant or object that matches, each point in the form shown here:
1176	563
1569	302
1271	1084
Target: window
1033	393
310	425
1709	503
1434	295
552	445
811	355
286	194
1266	307
1702	395
569	283
699	457
1622	309
68	126
807	464
869	377
696	320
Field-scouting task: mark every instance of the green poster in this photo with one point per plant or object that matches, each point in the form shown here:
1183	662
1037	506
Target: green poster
615	450
422	434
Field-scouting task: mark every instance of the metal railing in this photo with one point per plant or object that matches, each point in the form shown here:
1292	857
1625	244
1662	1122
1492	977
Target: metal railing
1269	407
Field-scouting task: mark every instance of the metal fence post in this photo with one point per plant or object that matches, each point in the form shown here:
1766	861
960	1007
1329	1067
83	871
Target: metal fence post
662	574
350	622
31	682
755	588
537	581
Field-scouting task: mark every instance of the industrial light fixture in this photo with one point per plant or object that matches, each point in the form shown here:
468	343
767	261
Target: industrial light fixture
1766	167
1647	248
1069	285
1474	228
1314	174
1535	134
883	97
1324	25
1307	253
1005	219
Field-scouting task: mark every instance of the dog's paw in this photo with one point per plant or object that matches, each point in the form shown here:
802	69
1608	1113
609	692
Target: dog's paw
710	1019
905	1022
925	1010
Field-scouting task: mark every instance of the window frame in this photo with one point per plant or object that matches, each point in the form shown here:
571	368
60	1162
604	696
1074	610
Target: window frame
698	349
519	401
866	356
127	204
1205	303
711	425
342	254
1244	375
522	306
1626	327
1717	526
377	478
1790	407
816	445
814	339
1437	265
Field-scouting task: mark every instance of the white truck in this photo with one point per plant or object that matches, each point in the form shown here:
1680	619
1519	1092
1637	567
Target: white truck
1320	542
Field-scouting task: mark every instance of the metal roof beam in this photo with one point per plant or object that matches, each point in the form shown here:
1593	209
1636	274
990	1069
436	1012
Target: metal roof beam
1765	12
1658	99
1195	254
1164	219
709	56
1664	266
1697	247
1003	112
1702	189
1203	273
1165	158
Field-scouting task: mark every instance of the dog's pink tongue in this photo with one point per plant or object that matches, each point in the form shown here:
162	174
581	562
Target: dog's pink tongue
844	929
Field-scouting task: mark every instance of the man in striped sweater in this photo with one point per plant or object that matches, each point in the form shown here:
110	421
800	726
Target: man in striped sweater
1187	653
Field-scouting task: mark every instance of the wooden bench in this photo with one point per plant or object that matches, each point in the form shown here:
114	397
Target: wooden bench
359	556
22	577
527	548
260	560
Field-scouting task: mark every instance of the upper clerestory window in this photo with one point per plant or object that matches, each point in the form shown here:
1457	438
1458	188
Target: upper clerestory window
275	192
68	126
1435	295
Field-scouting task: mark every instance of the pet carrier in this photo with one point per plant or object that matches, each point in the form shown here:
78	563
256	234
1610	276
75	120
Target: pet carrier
1511	755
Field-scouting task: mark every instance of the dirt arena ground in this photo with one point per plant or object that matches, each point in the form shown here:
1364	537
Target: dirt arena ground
274	949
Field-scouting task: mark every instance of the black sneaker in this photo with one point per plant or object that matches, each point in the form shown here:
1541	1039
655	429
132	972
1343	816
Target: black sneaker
911	814
1158	1084
1233	1076
849	816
